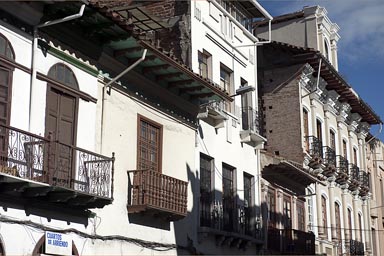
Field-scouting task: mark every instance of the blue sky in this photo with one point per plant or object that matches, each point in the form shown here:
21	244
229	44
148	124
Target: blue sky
360	48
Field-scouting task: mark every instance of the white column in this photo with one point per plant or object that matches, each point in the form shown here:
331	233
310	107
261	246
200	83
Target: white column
331	192
347	235
320	230
367	226
356	215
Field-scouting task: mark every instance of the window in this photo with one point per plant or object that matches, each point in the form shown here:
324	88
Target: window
338	227
238	12
300	215
332	139
287	219
271	204
204	59
149	143
350	223
248	203
310	210
226	84
248	115
6	49
206	171
345	152
6	77
326	49
225	78
228	197
323	228
360	229
63	74
306	128
355	156
319	131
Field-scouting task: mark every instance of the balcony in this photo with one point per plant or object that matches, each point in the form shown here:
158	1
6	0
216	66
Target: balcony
364	183
212	112
354	177
291	242
250	124
356	247
315	150
156	194
342	170
329	161
37	171
235	226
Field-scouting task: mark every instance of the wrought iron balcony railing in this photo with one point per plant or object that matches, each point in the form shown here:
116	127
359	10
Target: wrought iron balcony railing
364	180
291	241
356	247
250	120
154	192
342	169
329	156
238	220
315	147
354	173
32	157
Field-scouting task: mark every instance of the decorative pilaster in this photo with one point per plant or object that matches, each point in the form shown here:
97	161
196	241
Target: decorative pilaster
331	192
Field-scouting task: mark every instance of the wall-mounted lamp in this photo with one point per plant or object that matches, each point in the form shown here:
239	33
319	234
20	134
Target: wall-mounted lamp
243	89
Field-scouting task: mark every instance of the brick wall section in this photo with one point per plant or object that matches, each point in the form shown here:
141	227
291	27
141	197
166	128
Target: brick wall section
176	39
282	109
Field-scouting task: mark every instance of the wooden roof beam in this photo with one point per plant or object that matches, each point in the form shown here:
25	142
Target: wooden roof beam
122	52
179	83
149	69
165	76
190	89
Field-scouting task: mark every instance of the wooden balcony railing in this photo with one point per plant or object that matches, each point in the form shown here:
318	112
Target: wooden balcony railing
156	193
291	242
27	156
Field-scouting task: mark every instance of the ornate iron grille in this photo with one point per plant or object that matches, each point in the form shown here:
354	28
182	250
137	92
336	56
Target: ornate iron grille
364	179
329	156
36	158
356	247
354	172
342	164
315	146
291	241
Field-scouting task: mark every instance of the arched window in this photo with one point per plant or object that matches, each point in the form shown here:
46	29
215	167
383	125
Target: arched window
6	49
338	222
323	228
306	128
6	78
326	49
63	74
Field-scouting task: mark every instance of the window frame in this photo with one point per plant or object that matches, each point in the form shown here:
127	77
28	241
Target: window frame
140	119
207	57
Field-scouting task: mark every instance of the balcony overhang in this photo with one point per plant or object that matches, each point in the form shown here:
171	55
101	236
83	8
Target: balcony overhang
154	194
230	238
286	173
213	114
30	193
252	138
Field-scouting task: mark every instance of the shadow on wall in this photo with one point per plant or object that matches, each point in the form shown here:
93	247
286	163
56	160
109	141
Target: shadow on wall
218	223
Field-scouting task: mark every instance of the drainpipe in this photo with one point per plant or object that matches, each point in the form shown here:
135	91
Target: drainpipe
109	84
34	54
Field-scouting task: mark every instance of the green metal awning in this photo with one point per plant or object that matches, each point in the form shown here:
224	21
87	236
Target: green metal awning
167	71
